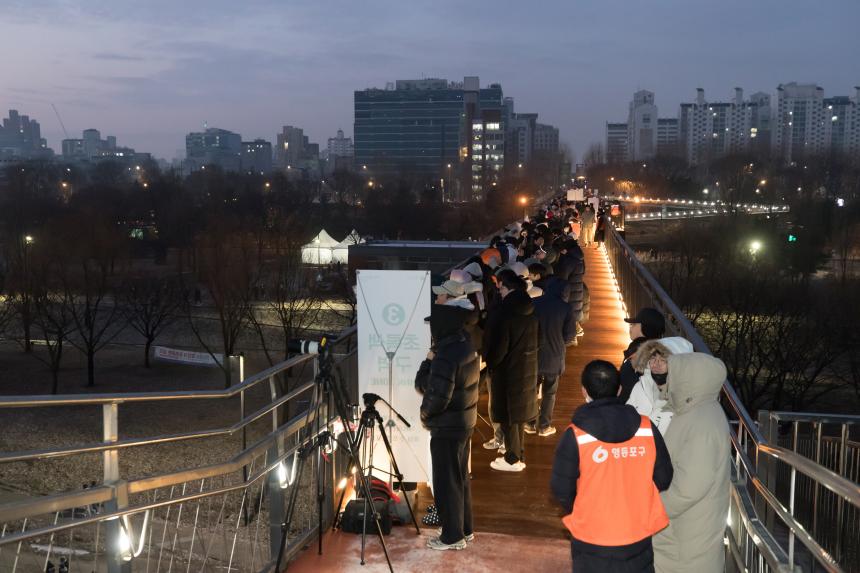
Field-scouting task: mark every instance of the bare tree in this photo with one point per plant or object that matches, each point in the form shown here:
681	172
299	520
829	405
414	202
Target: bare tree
228	261
293	301
87	273
151	305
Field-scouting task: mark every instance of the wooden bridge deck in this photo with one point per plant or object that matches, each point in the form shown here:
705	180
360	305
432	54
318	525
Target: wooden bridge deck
521	503
517	523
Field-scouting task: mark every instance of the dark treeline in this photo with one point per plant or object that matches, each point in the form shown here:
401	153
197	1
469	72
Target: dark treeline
88	253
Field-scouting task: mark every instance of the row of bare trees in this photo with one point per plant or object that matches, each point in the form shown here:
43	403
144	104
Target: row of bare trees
787	336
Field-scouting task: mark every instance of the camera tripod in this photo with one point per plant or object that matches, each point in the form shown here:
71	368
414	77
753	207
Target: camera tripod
371	419
326	391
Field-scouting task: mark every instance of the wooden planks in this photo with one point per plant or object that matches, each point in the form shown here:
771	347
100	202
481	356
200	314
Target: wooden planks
521	503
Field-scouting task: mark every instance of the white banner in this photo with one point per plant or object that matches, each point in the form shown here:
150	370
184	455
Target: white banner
392	306
186	356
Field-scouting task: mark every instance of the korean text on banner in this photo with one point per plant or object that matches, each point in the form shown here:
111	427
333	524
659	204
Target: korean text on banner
186	356
392	306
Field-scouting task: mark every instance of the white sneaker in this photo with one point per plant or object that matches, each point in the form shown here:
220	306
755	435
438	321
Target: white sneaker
439	545
469	538
548	431
503	466
493	444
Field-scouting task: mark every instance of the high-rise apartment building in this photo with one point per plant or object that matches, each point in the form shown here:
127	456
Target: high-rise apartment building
213	147
290	147
257	156
803	123
715	129
668	136
642	126
21	137
800	127
339	146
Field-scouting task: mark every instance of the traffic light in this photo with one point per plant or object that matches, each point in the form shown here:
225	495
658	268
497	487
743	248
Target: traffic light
792	238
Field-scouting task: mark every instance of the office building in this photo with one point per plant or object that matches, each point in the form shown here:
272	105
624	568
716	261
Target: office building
213	146
413	128
616	142
519	136
546	139
257	156
416	128
21	137
91	147
488	151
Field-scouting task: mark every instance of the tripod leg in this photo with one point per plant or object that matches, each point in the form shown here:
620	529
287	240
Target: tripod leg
397	473
353	442
288	518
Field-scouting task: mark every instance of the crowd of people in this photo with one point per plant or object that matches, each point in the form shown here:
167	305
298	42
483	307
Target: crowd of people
642	469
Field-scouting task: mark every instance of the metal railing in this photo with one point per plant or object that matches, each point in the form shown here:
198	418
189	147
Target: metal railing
767	515
225	514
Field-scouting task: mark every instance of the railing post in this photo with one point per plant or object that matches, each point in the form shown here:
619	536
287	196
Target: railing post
840	503
110	432
275	494
765	470
819	430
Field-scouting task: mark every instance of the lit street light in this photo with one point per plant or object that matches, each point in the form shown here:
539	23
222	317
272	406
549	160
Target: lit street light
755	247
28	239
705	191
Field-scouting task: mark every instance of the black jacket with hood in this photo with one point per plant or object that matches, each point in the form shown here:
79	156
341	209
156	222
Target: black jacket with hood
449	382
511	353
608	420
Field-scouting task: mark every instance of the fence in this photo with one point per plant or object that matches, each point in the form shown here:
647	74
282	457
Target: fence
224	515
769	511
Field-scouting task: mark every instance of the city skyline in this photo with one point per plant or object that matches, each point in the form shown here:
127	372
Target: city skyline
151	74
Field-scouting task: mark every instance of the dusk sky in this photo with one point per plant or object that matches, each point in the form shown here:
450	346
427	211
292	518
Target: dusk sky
150	71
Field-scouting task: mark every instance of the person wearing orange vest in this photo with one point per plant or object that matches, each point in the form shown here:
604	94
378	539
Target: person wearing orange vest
610	465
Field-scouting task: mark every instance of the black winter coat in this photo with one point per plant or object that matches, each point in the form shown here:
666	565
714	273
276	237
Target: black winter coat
629	376
557	328
511	353
449	382
572	270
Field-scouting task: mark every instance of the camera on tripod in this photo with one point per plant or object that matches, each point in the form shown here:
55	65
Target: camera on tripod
308	346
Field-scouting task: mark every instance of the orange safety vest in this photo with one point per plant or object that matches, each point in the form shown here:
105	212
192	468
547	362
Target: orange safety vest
616	501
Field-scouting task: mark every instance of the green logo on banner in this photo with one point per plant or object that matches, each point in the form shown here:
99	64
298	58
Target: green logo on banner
393	314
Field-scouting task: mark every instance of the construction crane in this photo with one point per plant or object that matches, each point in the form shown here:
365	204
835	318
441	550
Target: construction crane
66	133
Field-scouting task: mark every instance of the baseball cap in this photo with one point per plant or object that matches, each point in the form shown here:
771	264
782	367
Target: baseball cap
652	321
449	287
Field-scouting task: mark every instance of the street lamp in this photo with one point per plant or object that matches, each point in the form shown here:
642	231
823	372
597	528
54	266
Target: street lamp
705	191
28	239
524	201
755	247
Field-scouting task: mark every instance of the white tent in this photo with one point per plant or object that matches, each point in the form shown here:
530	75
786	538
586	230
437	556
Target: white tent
320	251
340	254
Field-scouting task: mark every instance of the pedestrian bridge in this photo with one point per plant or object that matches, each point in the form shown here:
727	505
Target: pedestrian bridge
795	501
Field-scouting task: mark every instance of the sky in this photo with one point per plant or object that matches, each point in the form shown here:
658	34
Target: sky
150	71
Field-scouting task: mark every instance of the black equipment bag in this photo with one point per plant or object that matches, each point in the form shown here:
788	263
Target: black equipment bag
353	516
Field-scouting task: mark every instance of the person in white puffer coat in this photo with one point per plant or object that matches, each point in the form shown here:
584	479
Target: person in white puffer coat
649	394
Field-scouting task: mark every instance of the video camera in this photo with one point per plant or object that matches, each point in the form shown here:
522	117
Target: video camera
307	346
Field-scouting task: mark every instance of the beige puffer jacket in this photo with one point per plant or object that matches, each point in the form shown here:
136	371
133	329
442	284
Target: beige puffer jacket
698	441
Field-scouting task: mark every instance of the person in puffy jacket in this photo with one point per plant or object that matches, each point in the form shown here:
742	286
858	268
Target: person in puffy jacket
649	394
698	440
448	379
